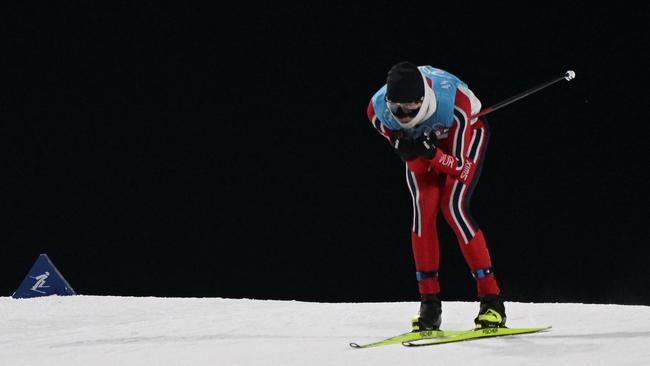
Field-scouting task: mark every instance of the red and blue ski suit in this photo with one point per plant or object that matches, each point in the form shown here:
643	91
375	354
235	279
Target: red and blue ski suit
445	182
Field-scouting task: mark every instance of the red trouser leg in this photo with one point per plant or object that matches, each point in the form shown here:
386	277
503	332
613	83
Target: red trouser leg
424	184
455	206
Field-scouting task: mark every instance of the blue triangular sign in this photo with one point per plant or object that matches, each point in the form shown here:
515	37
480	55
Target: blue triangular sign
43	280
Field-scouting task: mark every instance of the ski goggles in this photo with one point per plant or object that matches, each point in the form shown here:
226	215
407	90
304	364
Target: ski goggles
401	110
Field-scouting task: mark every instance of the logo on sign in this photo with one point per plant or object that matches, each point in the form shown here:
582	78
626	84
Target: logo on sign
40	282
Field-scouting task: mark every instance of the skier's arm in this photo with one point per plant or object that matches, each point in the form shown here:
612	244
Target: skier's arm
404	148
376	123
456	162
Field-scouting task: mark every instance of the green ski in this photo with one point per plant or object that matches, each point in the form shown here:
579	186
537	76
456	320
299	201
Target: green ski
472	334
410	336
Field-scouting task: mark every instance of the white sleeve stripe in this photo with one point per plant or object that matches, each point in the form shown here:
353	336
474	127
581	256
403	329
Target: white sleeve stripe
459	138
476	145
474	102
376	123
383	131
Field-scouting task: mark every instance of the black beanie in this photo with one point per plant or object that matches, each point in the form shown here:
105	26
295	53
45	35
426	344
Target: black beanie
404	83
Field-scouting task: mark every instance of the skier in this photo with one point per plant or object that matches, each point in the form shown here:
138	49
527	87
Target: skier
426	115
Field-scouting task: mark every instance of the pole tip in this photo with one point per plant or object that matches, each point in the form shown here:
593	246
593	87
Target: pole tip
569	75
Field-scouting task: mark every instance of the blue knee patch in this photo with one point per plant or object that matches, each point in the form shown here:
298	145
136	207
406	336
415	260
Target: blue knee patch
424	275
482	273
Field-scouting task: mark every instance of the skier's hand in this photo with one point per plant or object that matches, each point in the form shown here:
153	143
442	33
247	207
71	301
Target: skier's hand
426	145
448	164
404	146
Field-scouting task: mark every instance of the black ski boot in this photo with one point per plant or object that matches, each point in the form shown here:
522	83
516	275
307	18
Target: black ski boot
430	315
492	313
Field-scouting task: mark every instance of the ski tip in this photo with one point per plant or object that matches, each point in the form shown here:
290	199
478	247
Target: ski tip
355	345
544	328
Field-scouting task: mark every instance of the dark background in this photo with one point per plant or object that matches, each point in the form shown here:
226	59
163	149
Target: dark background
185	150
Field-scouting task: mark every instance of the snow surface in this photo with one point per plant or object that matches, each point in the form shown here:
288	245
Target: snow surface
94	330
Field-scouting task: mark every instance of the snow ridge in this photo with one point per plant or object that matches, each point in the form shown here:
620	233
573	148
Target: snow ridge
99	330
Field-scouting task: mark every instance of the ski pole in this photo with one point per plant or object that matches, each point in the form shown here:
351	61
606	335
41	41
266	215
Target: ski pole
568	76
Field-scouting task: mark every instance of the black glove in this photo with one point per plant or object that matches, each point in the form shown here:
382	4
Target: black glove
404	146
426	145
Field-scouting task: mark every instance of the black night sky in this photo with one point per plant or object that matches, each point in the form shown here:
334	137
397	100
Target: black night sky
186	150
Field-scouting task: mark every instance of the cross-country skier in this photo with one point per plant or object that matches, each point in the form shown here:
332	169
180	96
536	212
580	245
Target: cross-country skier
426	115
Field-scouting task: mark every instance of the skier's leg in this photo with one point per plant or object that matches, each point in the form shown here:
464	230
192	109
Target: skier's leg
424	185
455	206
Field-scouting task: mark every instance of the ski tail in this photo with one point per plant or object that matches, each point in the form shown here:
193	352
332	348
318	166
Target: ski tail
408	337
